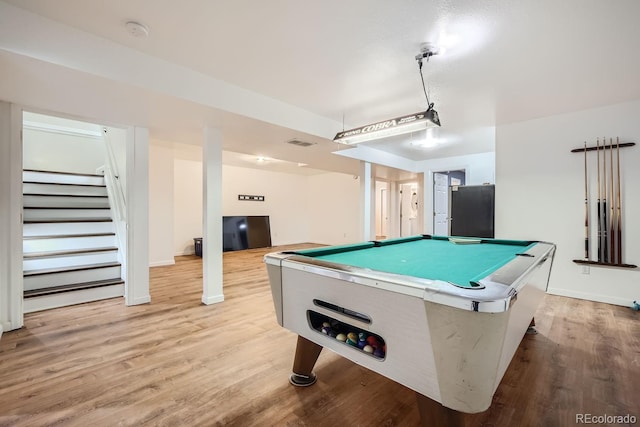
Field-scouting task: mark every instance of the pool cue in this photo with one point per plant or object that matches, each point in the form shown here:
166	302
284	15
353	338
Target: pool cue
619	228
599	259
612	219
586	207
605	234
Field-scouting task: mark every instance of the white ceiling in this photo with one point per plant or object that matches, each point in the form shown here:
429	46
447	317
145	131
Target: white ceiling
353	62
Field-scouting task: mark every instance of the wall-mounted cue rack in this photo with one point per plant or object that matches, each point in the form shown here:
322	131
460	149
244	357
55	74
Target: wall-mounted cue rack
608	204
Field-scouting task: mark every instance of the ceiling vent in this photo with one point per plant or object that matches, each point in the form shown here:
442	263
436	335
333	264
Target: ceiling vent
300	143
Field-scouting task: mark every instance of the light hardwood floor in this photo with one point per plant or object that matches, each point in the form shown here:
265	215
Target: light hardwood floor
178	362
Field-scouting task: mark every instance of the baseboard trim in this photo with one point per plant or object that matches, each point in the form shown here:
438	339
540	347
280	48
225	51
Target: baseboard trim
212	299
590	297
162	263
185	253
140	300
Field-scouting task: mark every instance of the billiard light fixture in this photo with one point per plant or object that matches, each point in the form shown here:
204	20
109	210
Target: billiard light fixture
400	125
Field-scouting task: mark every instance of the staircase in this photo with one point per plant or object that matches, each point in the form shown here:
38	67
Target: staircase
69	241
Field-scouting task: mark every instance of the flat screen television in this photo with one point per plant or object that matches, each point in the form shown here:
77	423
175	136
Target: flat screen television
245	232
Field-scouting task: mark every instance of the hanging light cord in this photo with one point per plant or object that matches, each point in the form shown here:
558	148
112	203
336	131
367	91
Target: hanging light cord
424	88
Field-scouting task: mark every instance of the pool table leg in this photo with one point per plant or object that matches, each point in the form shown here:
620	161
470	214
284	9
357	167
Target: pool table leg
307	353
531	330
432	413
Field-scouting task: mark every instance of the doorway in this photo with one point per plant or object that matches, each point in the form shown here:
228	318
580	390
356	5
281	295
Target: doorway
441	183
409	209
382	210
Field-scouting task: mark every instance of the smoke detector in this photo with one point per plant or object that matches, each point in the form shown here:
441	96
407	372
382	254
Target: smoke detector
137	29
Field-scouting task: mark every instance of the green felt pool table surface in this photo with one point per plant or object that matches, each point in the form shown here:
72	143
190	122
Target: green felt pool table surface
426	257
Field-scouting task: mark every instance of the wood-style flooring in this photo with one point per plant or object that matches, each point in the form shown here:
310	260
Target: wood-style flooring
176	362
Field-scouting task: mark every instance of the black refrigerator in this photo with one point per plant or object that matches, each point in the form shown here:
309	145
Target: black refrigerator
472	210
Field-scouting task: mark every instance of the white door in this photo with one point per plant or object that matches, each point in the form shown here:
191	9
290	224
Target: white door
440	204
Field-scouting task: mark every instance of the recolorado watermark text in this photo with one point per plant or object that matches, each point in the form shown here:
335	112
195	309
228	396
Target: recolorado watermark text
605	419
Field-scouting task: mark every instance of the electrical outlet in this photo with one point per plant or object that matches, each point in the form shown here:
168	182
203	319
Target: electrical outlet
585	269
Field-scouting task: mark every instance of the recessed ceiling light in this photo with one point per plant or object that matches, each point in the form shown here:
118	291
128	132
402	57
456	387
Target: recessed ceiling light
261	159
136	29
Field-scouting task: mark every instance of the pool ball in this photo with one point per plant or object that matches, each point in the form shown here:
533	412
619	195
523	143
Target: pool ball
341	337
368	349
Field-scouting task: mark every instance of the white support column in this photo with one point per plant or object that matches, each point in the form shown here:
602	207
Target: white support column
137	268
11	285
212	216
367	189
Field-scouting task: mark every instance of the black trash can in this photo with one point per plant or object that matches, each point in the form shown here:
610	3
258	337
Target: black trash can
197	244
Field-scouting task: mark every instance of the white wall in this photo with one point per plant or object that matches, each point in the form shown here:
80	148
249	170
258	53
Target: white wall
334	215
479	168
56	152
286	201
540	195
187	204
161	246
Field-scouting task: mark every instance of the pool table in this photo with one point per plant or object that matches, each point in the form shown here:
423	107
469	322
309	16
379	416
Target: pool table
440	315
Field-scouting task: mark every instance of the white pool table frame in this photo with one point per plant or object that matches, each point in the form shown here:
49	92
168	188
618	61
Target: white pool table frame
449	344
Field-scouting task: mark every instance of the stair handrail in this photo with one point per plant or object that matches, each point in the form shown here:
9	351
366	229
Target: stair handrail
112	176
115	193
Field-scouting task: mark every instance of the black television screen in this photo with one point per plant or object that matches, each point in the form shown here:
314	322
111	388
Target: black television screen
245	232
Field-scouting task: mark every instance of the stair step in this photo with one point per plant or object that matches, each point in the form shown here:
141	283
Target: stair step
35	303
62	173
53	277
65	220
38	244
67	260
72	287
56	177
102	196
65	236
65	253
47	213
71	184
31	187
64	207
75	228
65	201
28	273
